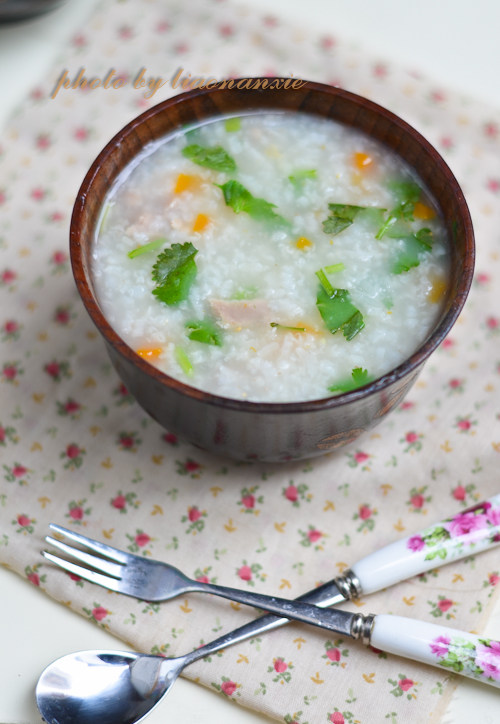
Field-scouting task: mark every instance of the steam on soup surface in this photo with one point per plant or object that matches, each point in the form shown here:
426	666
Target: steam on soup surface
273	257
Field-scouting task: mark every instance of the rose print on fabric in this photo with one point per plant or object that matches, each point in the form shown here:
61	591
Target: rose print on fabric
335	653
249	573
128	441
418	498
404	686
340	717
462	531
228	687
8	434
248	500
77	511
140	542
281	669
73	456
33	576
312	538
196	519
297	494
412	440
189	467
98	614
443	607
358	459
365	515
17	473
24	524
481	661
124	501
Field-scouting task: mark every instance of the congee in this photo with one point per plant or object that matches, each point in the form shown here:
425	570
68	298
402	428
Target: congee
273	257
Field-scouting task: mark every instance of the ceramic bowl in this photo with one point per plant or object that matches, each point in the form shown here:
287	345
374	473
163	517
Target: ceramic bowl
270	431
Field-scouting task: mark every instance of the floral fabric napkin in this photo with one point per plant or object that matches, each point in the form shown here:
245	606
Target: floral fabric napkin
77	450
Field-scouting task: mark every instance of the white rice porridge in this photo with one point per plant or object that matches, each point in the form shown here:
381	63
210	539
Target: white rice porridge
336	284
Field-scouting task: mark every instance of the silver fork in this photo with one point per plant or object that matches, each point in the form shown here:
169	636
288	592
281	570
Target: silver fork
150	580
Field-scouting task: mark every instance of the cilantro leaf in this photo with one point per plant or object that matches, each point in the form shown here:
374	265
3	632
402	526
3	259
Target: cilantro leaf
359	377
343	215
407	194
204	330
174	272
214	157
240	199
413	246
338	312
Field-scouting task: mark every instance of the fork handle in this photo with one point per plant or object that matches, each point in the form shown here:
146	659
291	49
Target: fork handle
466	533
458	651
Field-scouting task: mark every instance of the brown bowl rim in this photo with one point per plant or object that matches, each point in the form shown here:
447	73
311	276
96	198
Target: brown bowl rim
410	364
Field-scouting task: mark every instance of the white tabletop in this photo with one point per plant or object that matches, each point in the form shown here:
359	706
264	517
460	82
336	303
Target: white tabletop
453	41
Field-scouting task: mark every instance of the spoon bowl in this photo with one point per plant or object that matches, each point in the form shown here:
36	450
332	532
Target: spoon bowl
109	687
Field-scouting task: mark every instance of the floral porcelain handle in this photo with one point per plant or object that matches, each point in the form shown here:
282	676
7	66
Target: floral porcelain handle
459	652
468	532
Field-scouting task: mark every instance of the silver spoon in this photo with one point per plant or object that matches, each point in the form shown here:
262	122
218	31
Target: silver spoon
121	688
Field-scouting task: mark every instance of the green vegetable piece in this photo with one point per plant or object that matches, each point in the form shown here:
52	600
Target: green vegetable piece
298	178
284	326
174	272
183	361
240	199
214	157
204	330
333	268
325	282
407	194
232	124
359	377
104	216
150	246
338	312
413	247
341	217
245	293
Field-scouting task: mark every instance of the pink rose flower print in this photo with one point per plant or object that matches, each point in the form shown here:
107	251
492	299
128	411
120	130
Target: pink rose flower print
297	494
140	542
365	515
488	659
249	500
128	441
282	669
466	523
245	573
312	537
196	519
250	572
440	645
99	613
228	687
418	498
403	686
189	467
415	543
73	456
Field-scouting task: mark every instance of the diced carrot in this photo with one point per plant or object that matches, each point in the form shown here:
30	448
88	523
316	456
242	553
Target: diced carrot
422	211
149	353
363	161
184	182
437	290
303	243
201	221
